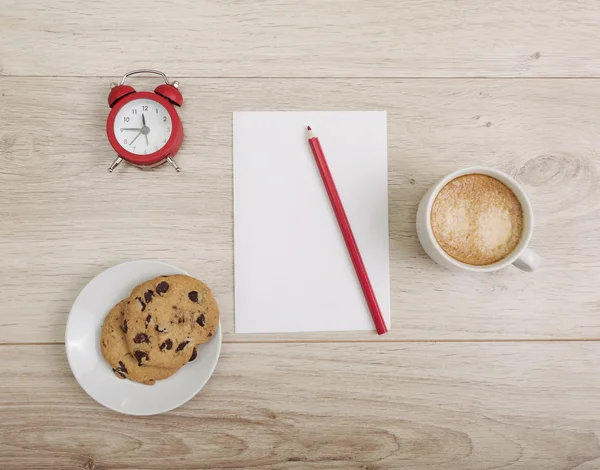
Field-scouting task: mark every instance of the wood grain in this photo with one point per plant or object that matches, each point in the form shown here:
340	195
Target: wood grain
351	406
312	38
476	400
65	218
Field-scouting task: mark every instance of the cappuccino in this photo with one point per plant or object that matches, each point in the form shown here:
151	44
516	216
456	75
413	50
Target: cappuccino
477	219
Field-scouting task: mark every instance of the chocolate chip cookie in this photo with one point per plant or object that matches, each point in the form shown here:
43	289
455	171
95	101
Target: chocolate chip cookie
167	318
115	350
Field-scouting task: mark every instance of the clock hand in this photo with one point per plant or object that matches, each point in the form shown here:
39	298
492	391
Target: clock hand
134	139
131	128
144	126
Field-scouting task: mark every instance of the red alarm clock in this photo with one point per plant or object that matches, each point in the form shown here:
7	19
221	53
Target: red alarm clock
144	127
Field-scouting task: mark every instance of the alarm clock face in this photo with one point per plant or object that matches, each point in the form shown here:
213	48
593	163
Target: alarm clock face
143	126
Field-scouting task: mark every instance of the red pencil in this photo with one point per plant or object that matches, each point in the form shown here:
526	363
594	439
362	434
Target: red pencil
351	245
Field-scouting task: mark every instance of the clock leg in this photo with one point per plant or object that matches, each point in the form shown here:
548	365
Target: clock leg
114	164
172	162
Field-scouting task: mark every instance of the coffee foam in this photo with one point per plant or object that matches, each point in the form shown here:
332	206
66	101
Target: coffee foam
477	219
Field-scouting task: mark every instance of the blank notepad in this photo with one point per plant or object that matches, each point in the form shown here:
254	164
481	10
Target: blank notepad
292	270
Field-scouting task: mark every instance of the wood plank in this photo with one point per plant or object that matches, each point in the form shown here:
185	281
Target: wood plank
313	38
350	406
65	218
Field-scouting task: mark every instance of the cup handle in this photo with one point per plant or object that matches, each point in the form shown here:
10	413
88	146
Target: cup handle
528	261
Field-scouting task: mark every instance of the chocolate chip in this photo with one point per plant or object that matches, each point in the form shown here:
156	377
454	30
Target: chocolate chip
193	296
182	345
121	371
209	335
142	304
141	338
162	288
161	330
201	320
148	296
181	320
168	344
124	326
139	355
194	355
148	318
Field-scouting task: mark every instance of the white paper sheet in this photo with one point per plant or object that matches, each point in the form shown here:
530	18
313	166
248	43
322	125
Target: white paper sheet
292	270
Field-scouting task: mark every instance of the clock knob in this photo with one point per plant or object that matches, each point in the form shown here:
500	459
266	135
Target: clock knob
118	92
170	92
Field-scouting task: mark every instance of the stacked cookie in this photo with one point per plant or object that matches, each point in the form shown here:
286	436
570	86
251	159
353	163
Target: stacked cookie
153	333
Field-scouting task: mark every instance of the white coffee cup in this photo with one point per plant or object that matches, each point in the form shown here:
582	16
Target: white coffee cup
522	257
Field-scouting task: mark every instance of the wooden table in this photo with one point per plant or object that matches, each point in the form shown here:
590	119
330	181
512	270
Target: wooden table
480	372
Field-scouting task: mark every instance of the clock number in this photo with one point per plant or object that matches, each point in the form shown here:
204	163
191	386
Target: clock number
156	110
144	108
126	118
134	111
134	148
164	118
156	148
125	141
168	129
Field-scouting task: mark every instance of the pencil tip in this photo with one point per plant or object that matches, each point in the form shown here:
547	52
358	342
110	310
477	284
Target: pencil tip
308	128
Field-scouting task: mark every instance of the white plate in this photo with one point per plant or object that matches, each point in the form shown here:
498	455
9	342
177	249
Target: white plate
82	341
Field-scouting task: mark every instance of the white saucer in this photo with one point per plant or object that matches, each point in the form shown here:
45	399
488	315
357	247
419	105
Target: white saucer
82	341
